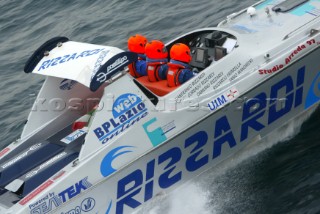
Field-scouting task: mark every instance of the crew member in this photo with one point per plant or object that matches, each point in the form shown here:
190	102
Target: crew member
137	45
157	58
179	69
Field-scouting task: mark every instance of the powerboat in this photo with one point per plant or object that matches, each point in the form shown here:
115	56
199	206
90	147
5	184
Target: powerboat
257	70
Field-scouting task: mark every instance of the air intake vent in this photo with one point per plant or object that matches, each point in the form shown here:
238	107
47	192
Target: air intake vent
29	181
288	5
27	160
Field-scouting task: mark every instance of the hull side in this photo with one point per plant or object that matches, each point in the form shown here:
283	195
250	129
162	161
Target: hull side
212	140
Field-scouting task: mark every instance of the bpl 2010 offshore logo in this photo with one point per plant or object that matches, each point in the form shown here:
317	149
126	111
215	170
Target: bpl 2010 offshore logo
127	110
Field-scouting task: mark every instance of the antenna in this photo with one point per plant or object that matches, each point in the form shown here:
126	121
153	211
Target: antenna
267	10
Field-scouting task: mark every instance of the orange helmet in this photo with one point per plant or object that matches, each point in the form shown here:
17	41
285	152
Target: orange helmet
156	50
137	44
180	52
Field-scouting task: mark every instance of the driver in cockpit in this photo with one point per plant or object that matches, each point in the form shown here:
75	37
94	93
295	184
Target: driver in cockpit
157	59
179	70
137	45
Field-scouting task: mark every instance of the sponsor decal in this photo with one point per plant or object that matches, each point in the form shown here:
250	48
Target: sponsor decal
206	82
46	204
75	189
168	127
73	136
53	200
234	69
58	175
4	151
106	168
10	162
232	93
272	70
295	53
314	92
112	67
67	84
235	72
194	83
117	64
45	164
127	110
66	58
289	58
223	99
155	133
100	59
86	206
202	147
102	77
36	192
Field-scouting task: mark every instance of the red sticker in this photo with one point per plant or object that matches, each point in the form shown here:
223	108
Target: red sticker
4	151
58	175
35	192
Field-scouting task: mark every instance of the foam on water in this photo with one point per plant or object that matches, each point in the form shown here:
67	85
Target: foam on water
189	199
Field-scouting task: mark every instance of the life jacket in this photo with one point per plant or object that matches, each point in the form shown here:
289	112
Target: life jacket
133	67
153	69
132	70
173	74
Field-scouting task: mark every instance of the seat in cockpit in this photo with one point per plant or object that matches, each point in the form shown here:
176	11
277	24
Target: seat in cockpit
159	88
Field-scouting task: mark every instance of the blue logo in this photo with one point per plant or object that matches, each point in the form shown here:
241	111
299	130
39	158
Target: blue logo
216	103
127	110
75	189
52	200
124	103
67	84
106	168
314	92
223	99
73	136
63	59
87	204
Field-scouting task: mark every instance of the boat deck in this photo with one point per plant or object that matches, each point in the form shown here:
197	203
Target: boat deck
263	31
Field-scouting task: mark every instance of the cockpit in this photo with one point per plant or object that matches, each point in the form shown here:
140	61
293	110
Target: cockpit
206	46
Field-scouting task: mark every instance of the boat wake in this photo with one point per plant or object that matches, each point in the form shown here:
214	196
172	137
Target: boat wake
212	191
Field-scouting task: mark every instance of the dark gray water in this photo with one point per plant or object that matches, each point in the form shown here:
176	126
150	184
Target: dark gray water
284	178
